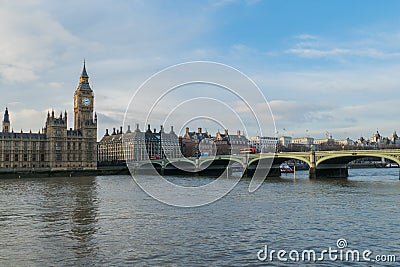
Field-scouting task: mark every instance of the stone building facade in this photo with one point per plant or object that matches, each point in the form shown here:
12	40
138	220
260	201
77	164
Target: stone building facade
230	144
203	144
137	145
197	143
264	144
56	146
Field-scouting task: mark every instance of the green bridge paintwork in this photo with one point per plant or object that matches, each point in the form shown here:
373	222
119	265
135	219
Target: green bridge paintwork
322	164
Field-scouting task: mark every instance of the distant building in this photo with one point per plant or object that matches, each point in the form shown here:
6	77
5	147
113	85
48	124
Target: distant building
345	142
376	138
285	140
56	146
323	141
197	143
230	144
264	144
395	138
306	141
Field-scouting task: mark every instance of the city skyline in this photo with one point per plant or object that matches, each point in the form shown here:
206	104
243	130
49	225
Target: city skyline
336	73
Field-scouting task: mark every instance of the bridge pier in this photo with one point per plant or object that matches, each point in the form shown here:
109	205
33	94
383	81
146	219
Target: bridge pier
312	173
271	172
342	172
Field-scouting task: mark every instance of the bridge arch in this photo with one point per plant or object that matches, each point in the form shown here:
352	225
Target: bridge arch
279	159
177	161
347	158
148	164
220	159
180	166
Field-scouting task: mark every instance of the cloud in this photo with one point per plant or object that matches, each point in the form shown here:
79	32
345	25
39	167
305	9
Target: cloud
310	46
32	41
316	53
27	119
306	36
222	3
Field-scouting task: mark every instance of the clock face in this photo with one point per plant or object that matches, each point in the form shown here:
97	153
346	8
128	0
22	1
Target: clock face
86	101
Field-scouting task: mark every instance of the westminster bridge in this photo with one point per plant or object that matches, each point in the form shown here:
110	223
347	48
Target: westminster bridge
321	164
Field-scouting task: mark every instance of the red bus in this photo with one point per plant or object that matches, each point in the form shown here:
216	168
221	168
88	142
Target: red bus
250	150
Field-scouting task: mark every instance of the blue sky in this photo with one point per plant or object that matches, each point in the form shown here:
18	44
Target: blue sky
324	66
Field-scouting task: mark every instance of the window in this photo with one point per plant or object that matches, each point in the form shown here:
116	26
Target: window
16	157
7	157
58	157
68	145
42	157
34	157
33	145
25	157
58	132
25	145
16	145
7	145
58	145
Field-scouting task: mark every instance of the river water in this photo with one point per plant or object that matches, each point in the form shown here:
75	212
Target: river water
109	220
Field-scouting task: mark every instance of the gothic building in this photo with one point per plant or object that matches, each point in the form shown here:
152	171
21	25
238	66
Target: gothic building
137	145
55	147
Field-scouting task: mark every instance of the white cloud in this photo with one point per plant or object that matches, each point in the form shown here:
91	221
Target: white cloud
310	46
316	53
27	119
32	40
222	3
306	36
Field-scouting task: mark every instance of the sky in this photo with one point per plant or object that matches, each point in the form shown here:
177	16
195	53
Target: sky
325	67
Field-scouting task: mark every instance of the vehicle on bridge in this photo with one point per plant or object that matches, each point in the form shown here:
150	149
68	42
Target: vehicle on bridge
250	150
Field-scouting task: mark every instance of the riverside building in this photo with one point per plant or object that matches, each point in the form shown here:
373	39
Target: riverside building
138	145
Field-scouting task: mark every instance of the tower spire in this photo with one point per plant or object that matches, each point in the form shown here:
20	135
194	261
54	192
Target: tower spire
84	79
6	116
6	122
84	73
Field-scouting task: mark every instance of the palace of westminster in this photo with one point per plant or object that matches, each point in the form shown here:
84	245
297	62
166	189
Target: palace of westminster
56	146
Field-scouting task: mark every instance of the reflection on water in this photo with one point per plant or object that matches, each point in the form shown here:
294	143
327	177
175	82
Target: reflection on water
52	219
110	221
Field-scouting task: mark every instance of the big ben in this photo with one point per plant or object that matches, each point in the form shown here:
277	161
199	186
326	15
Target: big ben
83	102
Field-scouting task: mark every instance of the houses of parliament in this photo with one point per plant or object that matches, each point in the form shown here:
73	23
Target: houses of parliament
55	147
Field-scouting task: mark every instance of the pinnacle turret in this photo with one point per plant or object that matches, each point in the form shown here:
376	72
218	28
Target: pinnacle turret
6	116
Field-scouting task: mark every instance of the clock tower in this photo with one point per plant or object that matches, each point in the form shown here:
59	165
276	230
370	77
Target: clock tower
83	102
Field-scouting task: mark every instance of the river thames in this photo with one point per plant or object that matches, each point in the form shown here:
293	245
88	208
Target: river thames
109	220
